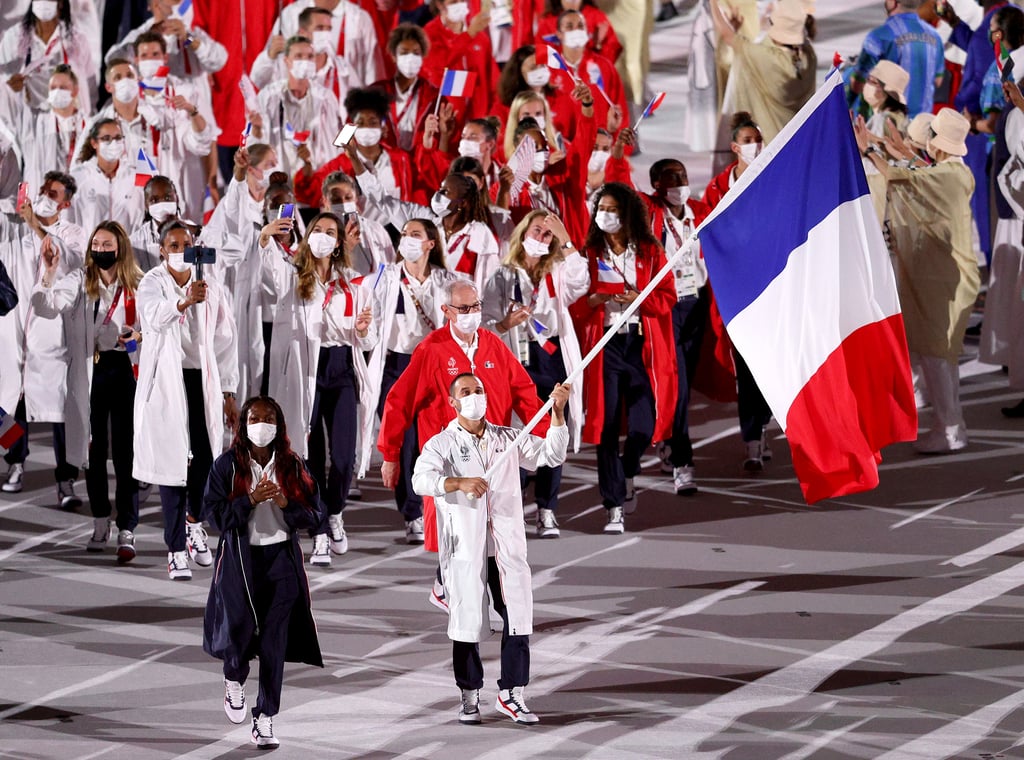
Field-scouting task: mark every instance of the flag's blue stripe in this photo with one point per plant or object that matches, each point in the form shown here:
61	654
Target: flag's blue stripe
184	7
448	84
748	244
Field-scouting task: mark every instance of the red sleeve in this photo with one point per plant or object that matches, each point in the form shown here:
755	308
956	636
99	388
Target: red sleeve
619	170
307	188
431	167
401	167
402	405
663	297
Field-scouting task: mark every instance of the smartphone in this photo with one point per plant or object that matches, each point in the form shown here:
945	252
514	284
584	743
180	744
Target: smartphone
345	135
286	211
22	196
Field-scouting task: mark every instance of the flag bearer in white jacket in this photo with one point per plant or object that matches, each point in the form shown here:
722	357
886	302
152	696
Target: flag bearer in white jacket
96	304
187	379
323	324
482	542
33	358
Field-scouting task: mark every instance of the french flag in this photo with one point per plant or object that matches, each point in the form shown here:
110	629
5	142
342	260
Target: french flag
608	280
804	284
245	134
457	84
185	12
157	82
145	169
208	207
539	328
10	431
653	106
554	60
297	138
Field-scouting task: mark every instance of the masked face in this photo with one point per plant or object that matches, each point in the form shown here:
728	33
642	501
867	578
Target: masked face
321	244
540	161
45	206
469	148
104	259
261	433
322	40
535	248
598	160
59	99
457	12
873	95
148	68
111	151
367	137
126	90
468	323
343	209
608	221
176	261
302	69
749	151
677	196
575	39
538	77
44	10
409	64
441	204
163	211
473	407
411	249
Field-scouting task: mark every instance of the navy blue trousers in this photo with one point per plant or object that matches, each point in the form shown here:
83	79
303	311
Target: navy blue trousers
334	426
689	319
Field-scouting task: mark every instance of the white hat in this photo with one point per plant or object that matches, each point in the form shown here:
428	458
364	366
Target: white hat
788	18
917	130
951	130
894	79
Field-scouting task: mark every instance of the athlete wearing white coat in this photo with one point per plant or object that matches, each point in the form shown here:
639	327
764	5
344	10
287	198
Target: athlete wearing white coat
101	197
478	517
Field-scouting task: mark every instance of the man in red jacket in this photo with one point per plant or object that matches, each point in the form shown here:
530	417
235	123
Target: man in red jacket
421	393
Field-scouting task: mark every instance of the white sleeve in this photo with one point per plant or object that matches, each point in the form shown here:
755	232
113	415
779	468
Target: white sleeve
428	474
50	303
156	311
549	451
262	72
211	55
575	277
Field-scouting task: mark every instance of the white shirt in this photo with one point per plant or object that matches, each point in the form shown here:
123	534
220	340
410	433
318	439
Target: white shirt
689	271
107	334
469	349
266	522
189	330
407	106
625	265
410	328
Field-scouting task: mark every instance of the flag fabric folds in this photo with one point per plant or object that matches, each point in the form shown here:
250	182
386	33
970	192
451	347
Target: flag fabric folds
609	280
803	281
209	206
145	169
457	84
10	431
654	105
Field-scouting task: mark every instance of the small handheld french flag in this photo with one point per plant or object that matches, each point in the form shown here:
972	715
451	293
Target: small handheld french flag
653	105
555	59
144	169
297	138
458	84
156	83
245	134
208	206
538	329
184	12
10	431
608	280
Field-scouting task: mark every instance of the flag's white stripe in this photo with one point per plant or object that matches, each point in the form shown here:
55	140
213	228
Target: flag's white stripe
838	281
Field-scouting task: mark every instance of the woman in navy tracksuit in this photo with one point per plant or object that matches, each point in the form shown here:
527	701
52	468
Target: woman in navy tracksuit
259	494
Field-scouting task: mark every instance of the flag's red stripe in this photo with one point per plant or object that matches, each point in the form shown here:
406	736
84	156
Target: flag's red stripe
860	400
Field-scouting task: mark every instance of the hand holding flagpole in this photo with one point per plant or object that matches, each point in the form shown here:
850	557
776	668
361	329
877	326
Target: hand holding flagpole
437	104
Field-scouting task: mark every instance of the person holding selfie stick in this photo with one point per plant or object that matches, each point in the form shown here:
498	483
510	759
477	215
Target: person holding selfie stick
187	380
97	307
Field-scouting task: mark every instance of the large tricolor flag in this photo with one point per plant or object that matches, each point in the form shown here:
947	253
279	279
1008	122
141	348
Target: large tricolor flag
145	169
457	84
804	284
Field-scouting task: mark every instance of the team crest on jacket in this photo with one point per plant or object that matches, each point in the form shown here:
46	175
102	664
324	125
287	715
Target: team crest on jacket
488	365
453	366
464	453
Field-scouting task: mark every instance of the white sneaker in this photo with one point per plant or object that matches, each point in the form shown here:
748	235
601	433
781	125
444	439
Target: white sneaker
234	701
15	475
469	710
684	480
437	596
197	544
339	540
616	521
321	551
753	461
953	438
512	703
414	531
66	496
263	732
630	504
177	566
125	547
547	525
100	534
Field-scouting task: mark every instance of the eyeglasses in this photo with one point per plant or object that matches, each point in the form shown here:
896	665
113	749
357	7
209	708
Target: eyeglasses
110	138
466	309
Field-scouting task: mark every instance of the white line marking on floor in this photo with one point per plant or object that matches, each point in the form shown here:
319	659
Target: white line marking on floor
992	548
936	508
544	577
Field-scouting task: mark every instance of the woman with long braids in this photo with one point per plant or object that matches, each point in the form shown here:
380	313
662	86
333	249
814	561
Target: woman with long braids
259	495
637	369
322	326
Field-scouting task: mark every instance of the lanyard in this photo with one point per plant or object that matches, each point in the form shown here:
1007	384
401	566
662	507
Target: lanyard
74	137
416	302
398	116
113	305
330	295
622	274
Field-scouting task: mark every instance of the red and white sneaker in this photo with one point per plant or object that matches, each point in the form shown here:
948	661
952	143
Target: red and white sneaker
512	703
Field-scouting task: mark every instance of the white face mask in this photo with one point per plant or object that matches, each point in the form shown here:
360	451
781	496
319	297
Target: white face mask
535	248
677	196
302	69
263	181
540	161
598	160
874	96
321	244
541	121
409	64
539	77
575	39
261	433
469	148
411	249
367	137
148	68
176	261
59	99
44	206
322	40
749	151
126	90
163	211
457	12
608	221
468	323
473	407
441	204
111	151
44	10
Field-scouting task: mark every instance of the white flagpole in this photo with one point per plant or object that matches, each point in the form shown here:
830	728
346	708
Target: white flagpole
608	335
